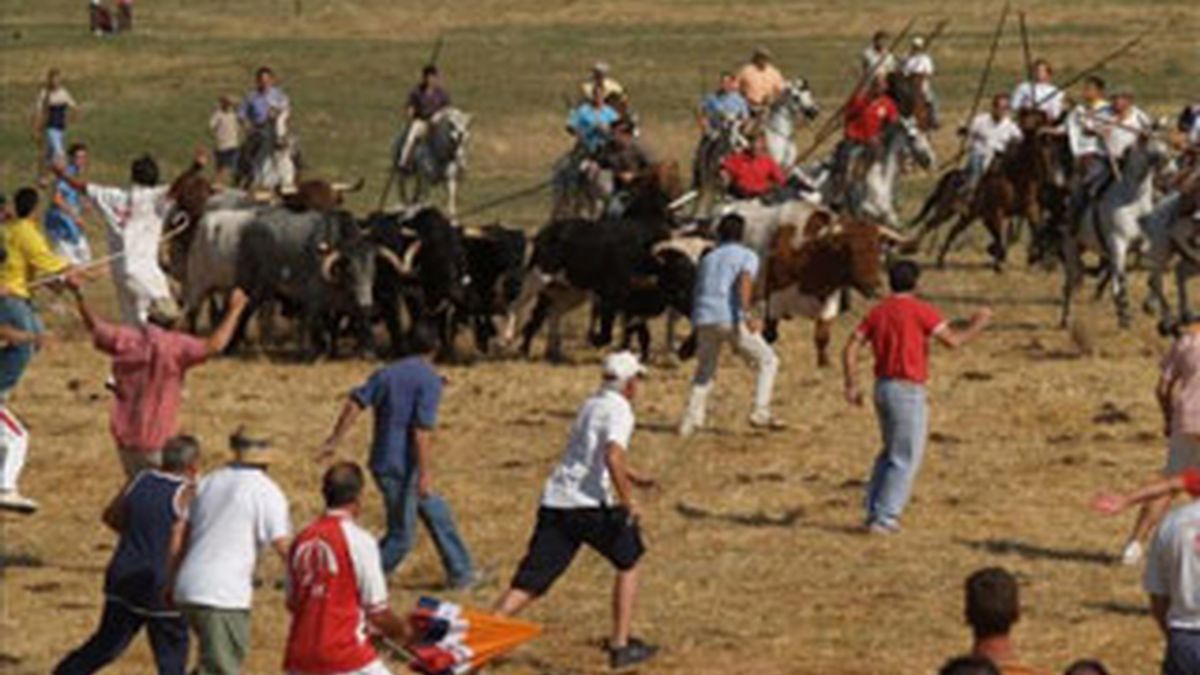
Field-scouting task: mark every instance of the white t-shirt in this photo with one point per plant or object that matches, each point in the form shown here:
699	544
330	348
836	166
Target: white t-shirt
871	58
237	511
918	64
1118	139
988	136
1173	566
135	222
581	479
1042	95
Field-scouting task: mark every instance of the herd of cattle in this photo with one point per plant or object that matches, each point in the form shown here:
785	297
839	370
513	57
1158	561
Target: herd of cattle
338	276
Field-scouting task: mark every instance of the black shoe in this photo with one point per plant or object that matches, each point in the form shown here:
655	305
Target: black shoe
631	655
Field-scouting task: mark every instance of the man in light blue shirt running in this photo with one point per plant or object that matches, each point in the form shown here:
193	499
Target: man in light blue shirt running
722	314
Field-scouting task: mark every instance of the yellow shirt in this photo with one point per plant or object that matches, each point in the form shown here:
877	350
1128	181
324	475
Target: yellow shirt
27	256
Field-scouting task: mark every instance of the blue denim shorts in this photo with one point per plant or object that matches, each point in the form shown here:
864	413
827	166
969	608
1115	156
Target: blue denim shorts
20	314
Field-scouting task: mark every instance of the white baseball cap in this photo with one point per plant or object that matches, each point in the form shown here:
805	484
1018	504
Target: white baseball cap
622	366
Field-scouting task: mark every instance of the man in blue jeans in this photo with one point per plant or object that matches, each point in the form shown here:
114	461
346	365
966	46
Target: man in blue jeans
898	330
405	397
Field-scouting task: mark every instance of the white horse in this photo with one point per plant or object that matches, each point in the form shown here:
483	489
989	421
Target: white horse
1111	225
271	163
874	196
1172	236
780	121
438	158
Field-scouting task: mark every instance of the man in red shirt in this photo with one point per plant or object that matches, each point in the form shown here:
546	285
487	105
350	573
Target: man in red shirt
751	172
868	113
898	330
148	367
335	588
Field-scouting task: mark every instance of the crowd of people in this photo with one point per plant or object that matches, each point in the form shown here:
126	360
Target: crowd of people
188	545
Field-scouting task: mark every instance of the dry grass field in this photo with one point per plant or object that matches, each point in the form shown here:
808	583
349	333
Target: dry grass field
754	565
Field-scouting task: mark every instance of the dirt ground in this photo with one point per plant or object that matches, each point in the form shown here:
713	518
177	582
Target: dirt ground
755	565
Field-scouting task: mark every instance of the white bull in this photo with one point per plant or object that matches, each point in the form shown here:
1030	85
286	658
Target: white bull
212	256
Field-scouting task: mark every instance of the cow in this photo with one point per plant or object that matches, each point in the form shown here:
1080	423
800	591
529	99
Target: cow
668	289
322	263
496	263
432	280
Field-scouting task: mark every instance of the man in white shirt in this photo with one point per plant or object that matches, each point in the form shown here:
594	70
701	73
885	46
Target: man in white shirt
1041	93
588	499
990	134
1171	580
238	510
878	58
1089	151
1129	124
919	68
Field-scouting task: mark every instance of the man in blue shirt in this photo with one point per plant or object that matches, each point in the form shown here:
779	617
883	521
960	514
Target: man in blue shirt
724	106
722	314
150	515
259	103
404	397
64	218
592	122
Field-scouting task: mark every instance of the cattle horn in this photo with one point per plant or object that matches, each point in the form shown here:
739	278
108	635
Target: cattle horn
327	264
402	267
286	191
906	244
410	257
348	187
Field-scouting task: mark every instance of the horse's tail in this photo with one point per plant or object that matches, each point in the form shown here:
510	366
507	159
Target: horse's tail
939	194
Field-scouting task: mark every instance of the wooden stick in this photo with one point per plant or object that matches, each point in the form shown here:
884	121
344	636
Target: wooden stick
1105	60
983	80
1025	48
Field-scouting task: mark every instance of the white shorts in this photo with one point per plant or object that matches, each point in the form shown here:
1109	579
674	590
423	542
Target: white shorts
1183	451
372	668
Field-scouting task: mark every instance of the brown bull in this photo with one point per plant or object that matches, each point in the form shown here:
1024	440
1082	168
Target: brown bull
808	280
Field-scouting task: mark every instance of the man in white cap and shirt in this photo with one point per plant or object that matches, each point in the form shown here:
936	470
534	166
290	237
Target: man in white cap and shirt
601	80
589	499
919	67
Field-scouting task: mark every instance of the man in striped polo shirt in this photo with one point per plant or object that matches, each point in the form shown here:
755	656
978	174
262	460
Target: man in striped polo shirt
336	590
150	514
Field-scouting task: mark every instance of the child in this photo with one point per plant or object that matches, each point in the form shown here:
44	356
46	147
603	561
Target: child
226	133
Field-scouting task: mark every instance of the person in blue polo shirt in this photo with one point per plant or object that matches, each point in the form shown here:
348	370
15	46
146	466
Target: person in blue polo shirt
404	397
591	123
150	514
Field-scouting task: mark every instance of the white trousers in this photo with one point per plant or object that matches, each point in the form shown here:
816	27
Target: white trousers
751	347
14	444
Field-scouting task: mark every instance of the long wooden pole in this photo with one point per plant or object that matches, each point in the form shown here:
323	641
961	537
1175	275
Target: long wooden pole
983	80
1105	60
831	124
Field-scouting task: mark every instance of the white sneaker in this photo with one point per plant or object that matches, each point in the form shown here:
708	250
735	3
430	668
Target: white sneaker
761	419
1132	555
11	500
689	427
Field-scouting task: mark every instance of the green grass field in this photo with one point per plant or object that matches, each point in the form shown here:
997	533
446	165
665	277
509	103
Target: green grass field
753	568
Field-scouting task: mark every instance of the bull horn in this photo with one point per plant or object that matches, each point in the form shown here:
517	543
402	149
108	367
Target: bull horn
348	187
327	264
392	259
888	233
683	200
261	196
410	233
408	263
286	191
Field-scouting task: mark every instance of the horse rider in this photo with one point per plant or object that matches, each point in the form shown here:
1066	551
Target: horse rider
988	135
751	173
724	106
1129	123
1040	94
868	113
624	160
591	124
425	101
610	89
919	68
877	59
261	105
759	81
1089	152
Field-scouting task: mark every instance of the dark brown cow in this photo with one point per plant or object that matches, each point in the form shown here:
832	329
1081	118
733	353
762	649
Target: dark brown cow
317	195
808	280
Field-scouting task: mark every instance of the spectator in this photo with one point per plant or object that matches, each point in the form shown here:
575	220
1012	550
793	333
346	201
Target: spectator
969	665
405	397
149	514
1172	573
589	499
26	256
51	114
1178	395
149	364
336	590
722	315
898	331
124	15
64	218
238	511
100	20
226	132
992	609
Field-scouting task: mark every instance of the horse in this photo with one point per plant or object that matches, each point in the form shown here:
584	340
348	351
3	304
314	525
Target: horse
873	195
438	158
779	123
713	148
1111	225
269	158
911	97
577	190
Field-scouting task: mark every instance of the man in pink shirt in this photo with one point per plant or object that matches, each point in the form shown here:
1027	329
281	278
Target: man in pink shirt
898	330
148	367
